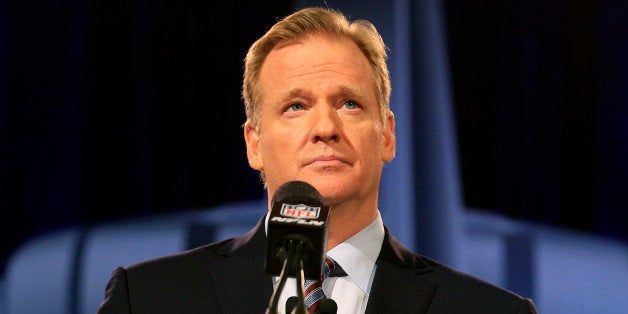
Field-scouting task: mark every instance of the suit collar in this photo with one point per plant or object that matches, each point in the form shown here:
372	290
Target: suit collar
399	273
252	243
242	267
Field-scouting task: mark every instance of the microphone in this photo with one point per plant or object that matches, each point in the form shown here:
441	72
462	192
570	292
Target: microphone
298	217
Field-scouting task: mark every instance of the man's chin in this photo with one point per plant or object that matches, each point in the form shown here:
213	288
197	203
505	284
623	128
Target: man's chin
332	195
332	188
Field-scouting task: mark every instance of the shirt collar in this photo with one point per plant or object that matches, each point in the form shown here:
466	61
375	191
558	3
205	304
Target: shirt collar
357	255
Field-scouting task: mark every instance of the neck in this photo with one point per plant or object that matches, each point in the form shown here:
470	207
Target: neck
346	220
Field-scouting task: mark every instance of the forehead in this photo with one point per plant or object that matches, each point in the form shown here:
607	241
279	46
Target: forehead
316	59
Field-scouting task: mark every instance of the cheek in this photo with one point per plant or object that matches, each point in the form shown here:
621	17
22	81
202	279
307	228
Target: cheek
371	141
274	147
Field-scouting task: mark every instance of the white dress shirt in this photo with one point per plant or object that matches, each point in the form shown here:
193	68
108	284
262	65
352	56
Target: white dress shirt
356	256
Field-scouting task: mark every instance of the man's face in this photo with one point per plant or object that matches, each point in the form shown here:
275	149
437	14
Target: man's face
320	121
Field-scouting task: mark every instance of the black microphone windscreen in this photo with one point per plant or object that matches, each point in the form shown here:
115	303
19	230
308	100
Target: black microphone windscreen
297	191
297	216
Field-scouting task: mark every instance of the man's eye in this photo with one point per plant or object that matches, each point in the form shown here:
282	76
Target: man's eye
351	105
295	107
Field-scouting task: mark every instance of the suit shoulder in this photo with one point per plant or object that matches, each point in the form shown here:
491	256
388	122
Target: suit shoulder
470	291
201	257
196	257
170	284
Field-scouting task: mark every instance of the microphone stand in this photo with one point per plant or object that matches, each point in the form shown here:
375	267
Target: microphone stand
300	279
292	266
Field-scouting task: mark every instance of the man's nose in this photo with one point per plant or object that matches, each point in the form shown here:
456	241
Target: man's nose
325	124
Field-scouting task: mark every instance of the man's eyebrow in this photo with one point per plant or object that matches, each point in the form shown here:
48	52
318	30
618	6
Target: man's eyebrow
295	92
292	93
352	92
343	90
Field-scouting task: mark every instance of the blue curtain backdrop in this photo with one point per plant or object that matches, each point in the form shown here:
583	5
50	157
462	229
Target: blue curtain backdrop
111	109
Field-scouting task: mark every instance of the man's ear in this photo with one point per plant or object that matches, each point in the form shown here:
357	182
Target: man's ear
388	132
251	137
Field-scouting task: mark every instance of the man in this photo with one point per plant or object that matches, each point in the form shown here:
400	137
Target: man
316	90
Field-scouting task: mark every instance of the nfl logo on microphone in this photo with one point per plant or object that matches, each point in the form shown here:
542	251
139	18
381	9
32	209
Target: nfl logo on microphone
300	211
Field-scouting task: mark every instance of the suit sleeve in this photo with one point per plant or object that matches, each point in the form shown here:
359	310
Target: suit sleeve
116	294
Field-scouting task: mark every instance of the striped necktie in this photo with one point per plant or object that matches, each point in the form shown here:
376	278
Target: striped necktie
314	288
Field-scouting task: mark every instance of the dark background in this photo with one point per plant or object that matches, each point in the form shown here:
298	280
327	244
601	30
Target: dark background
113	109
540	94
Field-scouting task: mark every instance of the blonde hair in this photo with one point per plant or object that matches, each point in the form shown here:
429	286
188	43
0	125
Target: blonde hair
301	24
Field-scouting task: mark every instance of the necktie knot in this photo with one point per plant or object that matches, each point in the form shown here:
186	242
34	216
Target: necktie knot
332	269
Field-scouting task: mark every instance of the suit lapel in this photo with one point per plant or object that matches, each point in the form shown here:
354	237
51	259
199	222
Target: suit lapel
240	280
398	286
242	285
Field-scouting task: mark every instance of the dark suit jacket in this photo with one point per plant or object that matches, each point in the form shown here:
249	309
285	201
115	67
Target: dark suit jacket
229	277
